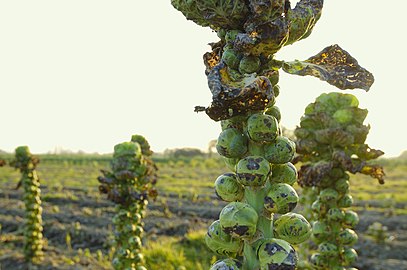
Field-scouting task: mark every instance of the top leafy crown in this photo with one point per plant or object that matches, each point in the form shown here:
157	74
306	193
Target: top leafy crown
252	31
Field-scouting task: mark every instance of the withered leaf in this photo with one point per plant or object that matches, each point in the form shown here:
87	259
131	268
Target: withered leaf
335	66
311	174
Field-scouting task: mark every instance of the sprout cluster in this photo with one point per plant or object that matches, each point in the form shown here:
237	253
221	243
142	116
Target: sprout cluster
330	143
242	75
33	238
129	185
259	186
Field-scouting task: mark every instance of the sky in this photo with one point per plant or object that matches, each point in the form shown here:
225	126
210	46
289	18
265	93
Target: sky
87	74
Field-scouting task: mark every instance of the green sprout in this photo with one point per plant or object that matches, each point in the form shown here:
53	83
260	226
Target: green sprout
33	238
242	75
330	145
129	185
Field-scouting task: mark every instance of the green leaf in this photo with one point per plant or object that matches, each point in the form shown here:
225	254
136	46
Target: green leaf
335	66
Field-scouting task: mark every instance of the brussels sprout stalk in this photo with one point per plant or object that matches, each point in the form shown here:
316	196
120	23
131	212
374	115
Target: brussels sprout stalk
242	75
331	144
33	238
129	185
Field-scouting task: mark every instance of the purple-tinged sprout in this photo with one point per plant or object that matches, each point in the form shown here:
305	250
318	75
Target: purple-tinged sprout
231	143
220	242
262	128
253	171
281	151
276	253
282	198
228	188
335	215
239	220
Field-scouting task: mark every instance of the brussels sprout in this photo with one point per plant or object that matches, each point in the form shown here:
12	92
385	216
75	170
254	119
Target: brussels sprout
220	242
351	219
284	173
328	249
262	128
328	195
231	58
282	198
226	264
319	260
275	112
231	143
293	228
320	230
249	64
276	253
228	188
253	171
318	207
342	185
239	220
347	237
335	215
281	151
349	256
345	201
231	36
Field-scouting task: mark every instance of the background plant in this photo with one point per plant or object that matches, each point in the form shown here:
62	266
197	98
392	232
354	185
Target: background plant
330	145
129	185
33	238
242	76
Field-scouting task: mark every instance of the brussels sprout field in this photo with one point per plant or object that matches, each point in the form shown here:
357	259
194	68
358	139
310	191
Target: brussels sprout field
77	219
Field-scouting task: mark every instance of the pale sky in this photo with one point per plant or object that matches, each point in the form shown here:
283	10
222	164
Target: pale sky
86	75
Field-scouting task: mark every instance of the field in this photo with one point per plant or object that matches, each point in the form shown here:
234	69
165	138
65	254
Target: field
77	219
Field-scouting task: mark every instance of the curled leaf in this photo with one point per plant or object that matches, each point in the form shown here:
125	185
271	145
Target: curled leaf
374	171
335	66
311	175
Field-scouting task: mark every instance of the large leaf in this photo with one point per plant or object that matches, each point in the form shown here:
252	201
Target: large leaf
335	66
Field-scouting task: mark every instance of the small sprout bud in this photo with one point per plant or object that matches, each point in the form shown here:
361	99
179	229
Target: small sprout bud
347	237
226	264
293	228
231	58
239	220
228	188
282	198
284	173
342	185
262	127
249	64
231	143
349	256
335	215
253	171
328	195
319	260
320	230
345	201
276	253
328	249
343	116
275	112
281	151
351	219
318	207
220	242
